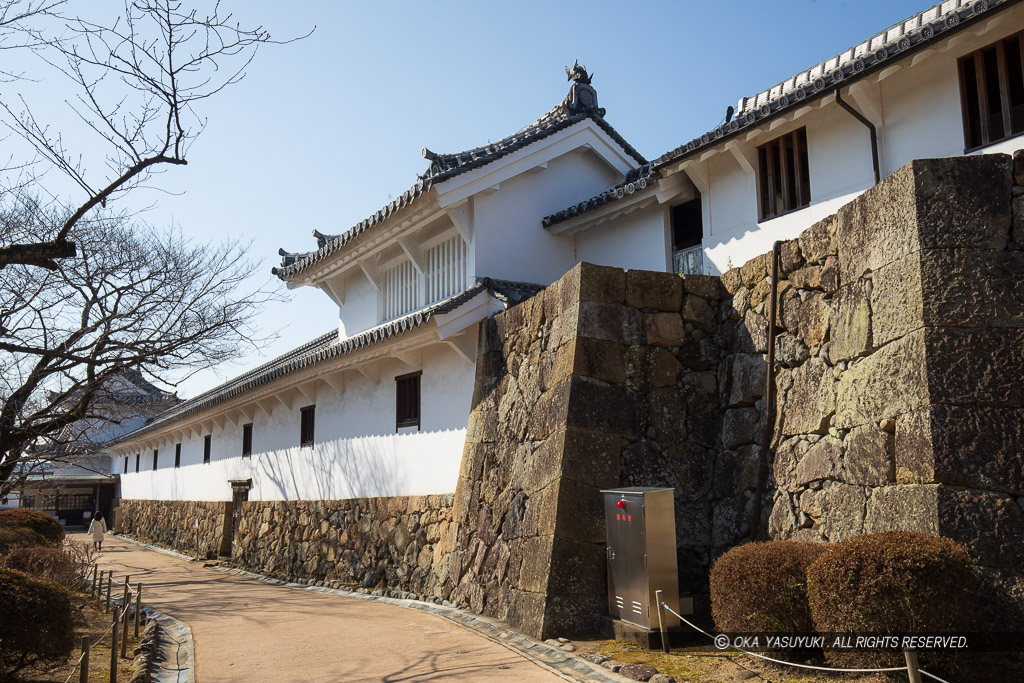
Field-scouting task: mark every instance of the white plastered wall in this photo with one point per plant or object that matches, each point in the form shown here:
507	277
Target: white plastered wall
635	240
356	452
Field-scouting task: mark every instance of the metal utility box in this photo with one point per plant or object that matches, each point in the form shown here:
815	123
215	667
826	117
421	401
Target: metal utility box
641	555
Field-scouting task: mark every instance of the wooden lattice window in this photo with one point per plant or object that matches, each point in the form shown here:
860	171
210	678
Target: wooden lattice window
783	175
992	93
307	425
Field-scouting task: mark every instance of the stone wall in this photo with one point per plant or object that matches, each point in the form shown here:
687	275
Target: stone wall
607	378
375	543
901	386
173	523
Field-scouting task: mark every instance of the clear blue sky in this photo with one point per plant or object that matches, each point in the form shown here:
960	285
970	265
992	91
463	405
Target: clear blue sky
324	132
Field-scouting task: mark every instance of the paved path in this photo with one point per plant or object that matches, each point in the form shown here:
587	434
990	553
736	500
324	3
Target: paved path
246	630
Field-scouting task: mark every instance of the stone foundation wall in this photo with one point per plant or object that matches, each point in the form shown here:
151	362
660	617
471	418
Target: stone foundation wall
901	379
172	523
375	543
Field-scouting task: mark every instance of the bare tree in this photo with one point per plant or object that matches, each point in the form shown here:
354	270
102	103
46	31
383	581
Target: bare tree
136	83
87	293
135	300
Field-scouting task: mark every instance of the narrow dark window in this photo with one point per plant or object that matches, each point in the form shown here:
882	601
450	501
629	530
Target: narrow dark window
137	456
177	455
783	180
407	400
247	440
992	93
206	449
126	464
687	234
306	425
156	457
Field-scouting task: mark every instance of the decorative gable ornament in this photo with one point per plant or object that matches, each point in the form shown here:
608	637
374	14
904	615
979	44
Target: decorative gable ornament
582	96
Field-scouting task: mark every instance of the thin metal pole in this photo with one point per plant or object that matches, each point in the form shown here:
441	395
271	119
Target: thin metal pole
769	399
913	668
113	649
83	675
138	607
661	624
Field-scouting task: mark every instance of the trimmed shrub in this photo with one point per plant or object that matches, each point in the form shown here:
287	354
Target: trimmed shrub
41	523
19	537
763	587
59	565
891	582
37	627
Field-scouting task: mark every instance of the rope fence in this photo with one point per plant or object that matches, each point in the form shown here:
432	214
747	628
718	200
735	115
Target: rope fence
119	622
914	672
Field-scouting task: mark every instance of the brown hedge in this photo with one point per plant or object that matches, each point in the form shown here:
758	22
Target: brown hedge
763	587
19	537
37	627
39	522
891	582
59	565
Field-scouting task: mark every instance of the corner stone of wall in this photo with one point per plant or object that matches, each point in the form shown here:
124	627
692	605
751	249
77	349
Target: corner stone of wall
198	528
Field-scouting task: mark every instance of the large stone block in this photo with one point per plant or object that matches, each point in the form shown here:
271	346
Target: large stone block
741	379
973	446
709	287
842	509
599	320
896	301
991	525
808	404
664	329
589	282
889	382
969	366
923	205
852	311
822	461
652	290
868	459
590	456
818	241
741	426
911	507
603	407
972	288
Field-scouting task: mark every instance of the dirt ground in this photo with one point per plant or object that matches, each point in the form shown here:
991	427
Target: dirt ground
246	630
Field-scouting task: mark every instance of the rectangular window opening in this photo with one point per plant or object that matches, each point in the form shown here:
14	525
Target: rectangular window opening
783	178
307	425
407	400
177	455
156	458
206	448
137	456
992	93
247	440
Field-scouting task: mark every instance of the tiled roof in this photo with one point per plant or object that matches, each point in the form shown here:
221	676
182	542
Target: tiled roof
873	54
327	347
568	112
636	180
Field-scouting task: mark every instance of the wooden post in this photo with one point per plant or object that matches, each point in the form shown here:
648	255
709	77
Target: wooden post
913	670
126	605
110	575
83	675
92	591
138	607
113	647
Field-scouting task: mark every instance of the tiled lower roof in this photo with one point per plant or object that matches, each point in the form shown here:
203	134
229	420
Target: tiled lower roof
924	28
636	180
326	347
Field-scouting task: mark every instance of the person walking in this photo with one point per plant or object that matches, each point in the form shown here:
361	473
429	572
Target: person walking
97	527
